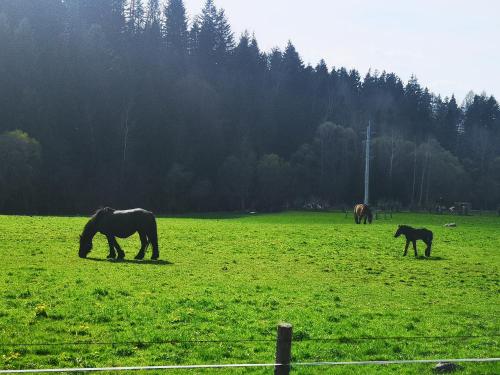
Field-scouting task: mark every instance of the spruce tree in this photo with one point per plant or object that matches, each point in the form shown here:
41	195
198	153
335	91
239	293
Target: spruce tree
152	13
176	32
224	36
215	38
208	35
292	63
448	129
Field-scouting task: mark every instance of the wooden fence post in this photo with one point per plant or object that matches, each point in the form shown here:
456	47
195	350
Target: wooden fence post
283	349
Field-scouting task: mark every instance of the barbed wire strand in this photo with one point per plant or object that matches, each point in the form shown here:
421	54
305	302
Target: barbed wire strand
402	338
137	368
186	367
305	339
175	342
396	362
137	342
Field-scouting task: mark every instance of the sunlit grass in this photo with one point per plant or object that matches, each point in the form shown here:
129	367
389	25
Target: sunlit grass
233	278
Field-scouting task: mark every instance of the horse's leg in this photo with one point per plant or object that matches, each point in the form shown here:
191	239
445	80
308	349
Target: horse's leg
364	222
415	247
144	246
112	254
406	247
121	253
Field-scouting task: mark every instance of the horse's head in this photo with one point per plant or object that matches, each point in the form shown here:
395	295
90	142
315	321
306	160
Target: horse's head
86	237
369	216
90	230
85	246
399	232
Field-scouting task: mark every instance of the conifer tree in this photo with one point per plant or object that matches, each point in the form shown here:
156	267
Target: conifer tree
448	131
194	38
152	14
176	32
224	35
215	37
207	36
292	63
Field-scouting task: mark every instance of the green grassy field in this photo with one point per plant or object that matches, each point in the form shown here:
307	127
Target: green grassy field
234	278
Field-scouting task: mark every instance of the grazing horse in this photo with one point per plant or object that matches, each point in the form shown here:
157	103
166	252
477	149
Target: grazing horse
362	211
113	223
412	235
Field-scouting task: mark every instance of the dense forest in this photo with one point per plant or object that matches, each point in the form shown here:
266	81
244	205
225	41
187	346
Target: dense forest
130	103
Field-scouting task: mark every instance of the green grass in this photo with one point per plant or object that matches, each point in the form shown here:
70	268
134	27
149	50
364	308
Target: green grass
233	278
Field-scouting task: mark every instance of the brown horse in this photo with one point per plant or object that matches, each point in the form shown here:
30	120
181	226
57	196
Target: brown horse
362	211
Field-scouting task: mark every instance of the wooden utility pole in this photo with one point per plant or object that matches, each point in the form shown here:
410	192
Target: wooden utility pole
367	164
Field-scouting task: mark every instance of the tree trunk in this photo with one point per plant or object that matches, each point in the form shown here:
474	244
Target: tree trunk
125	130
429	165
414	175
424	169
391	165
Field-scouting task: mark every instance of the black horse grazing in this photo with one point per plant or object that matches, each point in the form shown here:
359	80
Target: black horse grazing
362	211
113	223
412	235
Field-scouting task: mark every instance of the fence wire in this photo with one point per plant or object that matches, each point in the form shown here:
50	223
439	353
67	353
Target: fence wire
342	339
215	366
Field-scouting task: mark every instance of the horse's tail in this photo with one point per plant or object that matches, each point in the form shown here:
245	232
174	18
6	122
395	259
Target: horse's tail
153	237
429	245
357	218
430	236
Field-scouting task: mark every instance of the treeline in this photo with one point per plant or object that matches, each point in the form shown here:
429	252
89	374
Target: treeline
120	103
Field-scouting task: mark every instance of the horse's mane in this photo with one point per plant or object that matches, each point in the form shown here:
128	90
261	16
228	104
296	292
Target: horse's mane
102	210
403	226
90	226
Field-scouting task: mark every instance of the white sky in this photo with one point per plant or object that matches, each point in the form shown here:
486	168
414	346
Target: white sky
452	46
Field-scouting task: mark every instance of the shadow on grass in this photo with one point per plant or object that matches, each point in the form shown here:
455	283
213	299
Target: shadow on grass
133	261
421	257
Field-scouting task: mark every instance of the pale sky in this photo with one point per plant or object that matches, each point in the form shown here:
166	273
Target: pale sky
452	46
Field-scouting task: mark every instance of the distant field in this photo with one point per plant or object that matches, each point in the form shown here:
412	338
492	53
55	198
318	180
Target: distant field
234	278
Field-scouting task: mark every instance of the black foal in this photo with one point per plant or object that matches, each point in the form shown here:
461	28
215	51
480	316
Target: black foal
412	235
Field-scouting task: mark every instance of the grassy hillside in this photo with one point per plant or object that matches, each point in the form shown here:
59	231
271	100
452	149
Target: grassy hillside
234	278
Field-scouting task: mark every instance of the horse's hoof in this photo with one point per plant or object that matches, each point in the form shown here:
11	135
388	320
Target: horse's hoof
154	258
139	257
111	257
